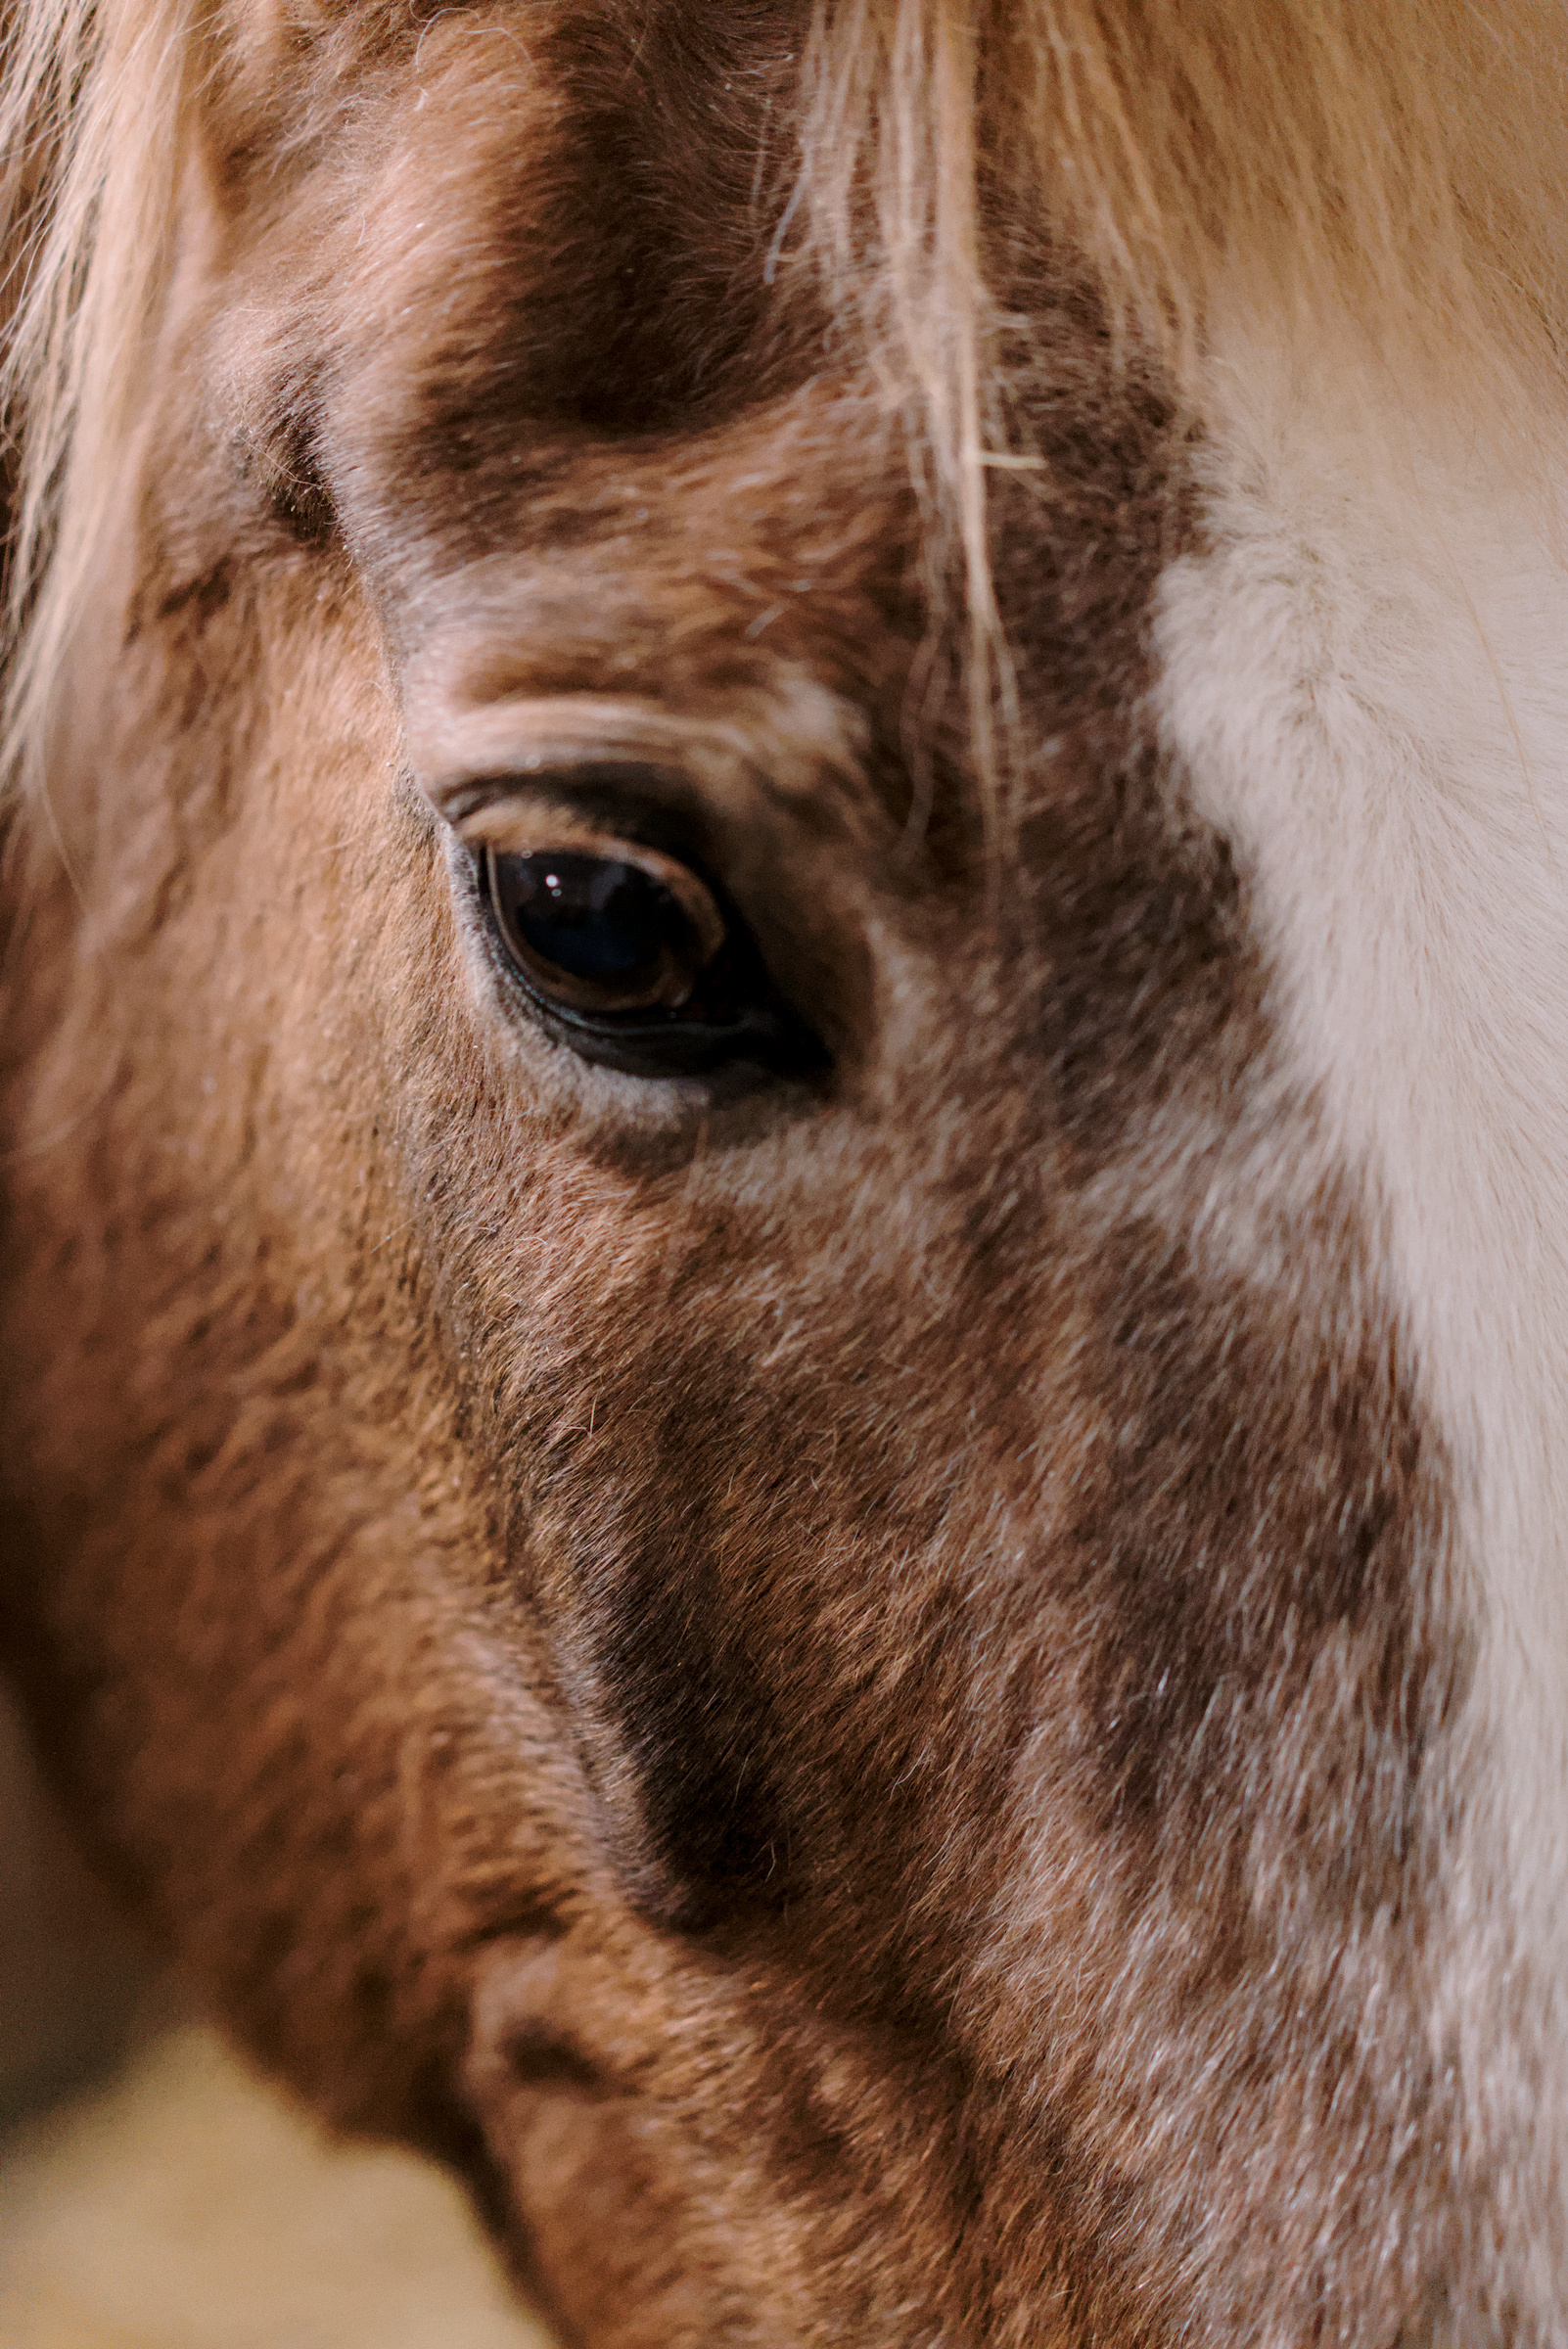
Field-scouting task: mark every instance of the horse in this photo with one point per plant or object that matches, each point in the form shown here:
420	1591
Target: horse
785	1265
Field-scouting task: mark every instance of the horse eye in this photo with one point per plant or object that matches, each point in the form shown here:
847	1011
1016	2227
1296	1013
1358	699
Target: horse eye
628	958
605	929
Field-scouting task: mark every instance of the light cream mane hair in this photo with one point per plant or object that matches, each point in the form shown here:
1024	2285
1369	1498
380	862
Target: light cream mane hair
1389	172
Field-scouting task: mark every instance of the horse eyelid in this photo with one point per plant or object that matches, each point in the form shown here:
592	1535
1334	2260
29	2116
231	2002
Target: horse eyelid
599	806
588	790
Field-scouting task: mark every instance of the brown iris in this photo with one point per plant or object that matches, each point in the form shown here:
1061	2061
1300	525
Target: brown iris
603	927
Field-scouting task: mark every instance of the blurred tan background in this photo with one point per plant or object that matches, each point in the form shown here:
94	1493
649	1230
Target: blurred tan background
153	2194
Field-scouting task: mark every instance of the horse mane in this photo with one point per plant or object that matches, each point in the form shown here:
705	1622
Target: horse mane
95	104
1397	171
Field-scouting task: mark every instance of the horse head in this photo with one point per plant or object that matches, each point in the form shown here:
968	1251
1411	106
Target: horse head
785	1321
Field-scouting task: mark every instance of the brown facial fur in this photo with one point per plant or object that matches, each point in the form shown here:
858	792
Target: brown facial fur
821	1682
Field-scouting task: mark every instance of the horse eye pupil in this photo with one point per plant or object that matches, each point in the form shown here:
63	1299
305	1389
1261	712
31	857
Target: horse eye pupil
595	932
598	921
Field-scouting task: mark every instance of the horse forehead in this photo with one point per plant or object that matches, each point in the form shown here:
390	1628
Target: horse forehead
575	160
279	51
577	393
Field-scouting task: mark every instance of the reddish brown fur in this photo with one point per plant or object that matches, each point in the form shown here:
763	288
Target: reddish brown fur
810	1680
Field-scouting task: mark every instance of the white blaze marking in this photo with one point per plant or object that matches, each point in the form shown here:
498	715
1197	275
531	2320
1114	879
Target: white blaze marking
1366	676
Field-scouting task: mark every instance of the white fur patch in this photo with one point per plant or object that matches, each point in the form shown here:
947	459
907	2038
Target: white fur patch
1365	678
